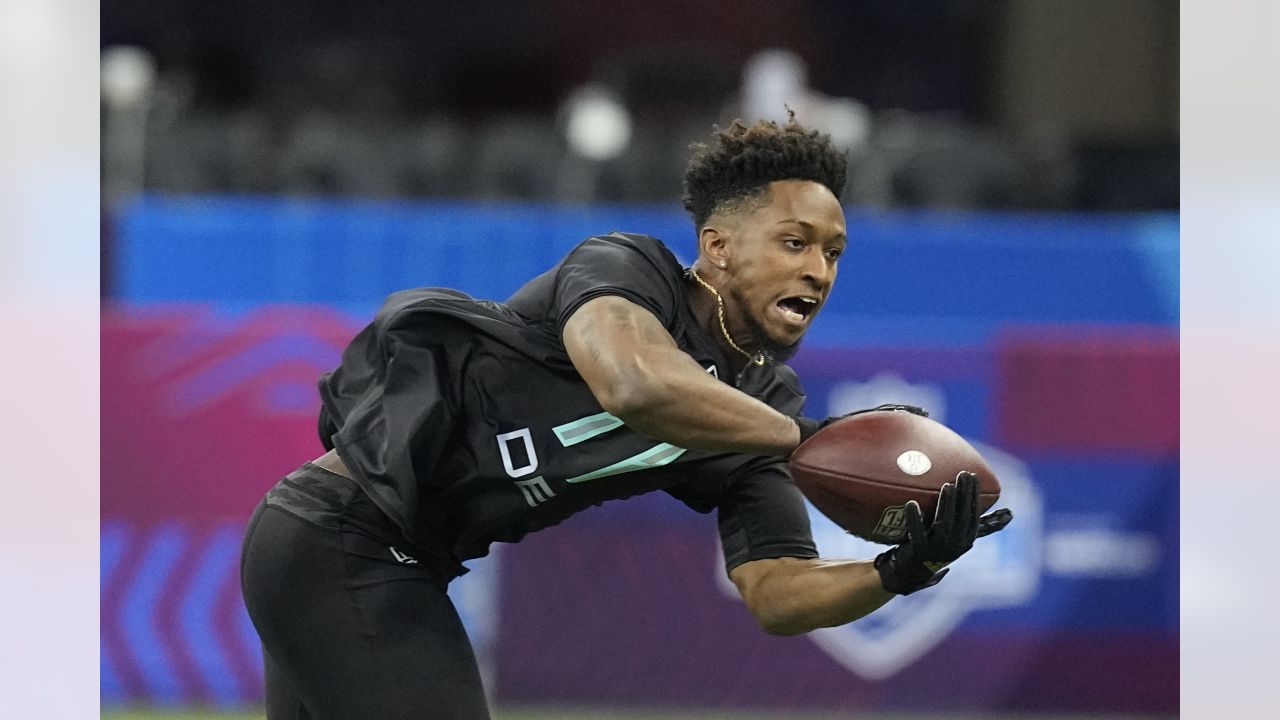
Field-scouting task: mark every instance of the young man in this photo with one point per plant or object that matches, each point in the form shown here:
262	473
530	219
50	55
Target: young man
453	423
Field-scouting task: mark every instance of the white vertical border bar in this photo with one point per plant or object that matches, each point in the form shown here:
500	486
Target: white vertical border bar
1230	95
49	225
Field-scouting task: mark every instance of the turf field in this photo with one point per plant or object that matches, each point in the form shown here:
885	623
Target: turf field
586	714
539	714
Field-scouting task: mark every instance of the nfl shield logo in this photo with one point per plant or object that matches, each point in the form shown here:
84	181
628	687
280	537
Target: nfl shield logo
892	527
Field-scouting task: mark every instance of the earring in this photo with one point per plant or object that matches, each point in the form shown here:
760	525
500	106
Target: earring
721	263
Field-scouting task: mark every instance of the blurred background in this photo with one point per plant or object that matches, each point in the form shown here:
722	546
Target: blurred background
271	171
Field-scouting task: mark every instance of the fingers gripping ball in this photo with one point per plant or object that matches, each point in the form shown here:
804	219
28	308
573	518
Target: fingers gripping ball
862	470
921	560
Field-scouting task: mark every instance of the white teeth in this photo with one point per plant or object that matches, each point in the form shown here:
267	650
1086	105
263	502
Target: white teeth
811	301
791	315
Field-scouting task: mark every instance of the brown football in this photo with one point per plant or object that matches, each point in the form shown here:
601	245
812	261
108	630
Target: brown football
860	471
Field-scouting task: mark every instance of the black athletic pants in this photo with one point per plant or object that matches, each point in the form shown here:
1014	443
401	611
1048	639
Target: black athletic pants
355	622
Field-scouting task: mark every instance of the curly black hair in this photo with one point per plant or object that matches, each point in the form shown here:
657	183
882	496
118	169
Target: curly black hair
734	170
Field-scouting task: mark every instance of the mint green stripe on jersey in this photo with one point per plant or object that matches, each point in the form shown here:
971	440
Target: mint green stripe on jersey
656	456
586	428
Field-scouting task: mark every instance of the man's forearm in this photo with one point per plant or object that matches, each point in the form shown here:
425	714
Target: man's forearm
638	373
790	596
677	401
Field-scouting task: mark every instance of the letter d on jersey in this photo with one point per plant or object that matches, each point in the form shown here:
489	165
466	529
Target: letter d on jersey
531	456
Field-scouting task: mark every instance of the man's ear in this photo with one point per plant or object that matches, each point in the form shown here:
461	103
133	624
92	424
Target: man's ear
713	244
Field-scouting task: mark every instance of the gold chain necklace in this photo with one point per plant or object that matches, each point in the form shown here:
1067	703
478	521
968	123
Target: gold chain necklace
758	358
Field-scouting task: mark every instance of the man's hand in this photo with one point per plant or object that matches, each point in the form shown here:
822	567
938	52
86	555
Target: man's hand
921	561
809	426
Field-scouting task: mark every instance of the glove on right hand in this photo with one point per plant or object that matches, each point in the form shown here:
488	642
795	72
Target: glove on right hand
921	561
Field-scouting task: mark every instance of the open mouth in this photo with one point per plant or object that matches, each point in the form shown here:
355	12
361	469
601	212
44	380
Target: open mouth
798	308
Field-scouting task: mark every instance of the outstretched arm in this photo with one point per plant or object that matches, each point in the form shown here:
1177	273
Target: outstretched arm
638	373
790	596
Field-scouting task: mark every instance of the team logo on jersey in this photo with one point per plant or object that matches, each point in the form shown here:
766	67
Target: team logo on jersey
711	370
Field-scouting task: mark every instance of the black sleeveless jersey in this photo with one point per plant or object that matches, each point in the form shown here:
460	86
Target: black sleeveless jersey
466	422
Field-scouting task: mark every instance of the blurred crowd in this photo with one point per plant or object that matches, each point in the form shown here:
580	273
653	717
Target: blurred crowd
598	102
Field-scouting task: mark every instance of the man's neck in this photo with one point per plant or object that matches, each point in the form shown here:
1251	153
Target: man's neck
705	309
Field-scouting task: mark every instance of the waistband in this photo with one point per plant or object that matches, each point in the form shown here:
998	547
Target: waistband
336	502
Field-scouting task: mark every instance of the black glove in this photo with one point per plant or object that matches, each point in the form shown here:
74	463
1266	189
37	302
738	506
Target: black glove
809	426
920	562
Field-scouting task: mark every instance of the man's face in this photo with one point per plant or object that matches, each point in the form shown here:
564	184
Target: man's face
781	263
